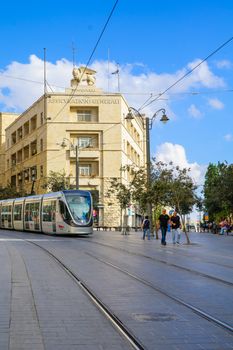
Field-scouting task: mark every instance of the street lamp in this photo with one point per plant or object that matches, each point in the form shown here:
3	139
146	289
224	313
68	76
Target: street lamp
147	124
75	149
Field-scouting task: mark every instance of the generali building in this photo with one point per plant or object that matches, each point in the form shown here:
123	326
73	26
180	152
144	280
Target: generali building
82	124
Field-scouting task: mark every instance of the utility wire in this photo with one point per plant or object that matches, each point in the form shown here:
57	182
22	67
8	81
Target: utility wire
92	53
31	81
151	94
147	103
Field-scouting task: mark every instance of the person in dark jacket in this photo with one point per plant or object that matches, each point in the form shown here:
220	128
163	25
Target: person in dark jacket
175	225
163	220
146	227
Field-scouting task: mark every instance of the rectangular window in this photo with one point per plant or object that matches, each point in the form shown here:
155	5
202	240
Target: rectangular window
84	142
41	118
32	213
18	212
33	147
41	145
13	138
33	173
41	171
26	128
84	115
26	175
49	211
85	170
6	216
33	122
20	133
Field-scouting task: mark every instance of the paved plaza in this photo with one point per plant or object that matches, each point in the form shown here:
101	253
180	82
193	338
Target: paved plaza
148	287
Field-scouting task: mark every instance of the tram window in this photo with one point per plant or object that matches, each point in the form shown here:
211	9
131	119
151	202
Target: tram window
80	207
64	211
35	211
6	214
18	212
28	213
49	211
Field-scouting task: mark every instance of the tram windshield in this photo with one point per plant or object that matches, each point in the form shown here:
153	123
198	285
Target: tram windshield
80	207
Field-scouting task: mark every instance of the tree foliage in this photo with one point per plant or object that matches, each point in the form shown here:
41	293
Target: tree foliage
167	185
182	196
57	181
10	192
218	190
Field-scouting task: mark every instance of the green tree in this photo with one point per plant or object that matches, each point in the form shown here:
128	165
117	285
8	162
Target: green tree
57	181
10	192
159	187
168	185
123	194
218	190
182	194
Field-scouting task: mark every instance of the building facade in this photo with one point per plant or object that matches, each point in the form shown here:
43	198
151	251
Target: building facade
5	120
85	116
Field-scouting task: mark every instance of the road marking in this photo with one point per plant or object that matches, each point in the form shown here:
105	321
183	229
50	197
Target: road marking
34	240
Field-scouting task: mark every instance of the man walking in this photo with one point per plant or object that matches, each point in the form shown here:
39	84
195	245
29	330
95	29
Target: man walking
163	220
146	227
175	225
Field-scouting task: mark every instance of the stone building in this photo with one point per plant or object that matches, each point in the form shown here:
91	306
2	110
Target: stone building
85	116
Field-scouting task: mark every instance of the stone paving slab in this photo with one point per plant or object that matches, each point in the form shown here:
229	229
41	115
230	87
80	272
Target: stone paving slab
66	317
49	312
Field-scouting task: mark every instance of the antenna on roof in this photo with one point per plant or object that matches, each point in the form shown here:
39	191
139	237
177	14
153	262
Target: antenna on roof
45	88
73	54
45	83
117	71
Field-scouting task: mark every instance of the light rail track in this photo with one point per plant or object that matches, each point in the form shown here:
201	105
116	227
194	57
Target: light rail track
126	333
117	323
198	311
198	273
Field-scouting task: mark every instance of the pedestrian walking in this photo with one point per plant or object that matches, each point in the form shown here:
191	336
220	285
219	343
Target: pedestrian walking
175	225
223	224
146	228
163	220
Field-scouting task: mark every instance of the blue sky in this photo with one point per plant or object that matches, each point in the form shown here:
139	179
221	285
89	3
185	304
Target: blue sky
154	42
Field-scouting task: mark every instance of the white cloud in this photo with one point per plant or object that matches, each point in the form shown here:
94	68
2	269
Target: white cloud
137	87
168	152
194	112
224	64
215	103
203	75
22	93
228	137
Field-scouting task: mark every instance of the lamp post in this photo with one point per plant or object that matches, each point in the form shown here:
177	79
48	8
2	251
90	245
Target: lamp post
74	148
147	124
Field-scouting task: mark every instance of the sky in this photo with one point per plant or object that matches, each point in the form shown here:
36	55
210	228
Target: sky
154	43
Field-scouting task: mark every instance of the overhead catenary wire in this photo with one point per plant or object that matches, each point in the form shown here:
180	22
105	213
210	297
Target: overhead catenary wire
151	94
89	59
147	103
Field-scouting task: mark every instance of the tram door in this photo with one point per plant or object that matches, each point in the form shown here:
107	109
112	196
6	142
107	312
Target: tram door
6	216
49	216
32	216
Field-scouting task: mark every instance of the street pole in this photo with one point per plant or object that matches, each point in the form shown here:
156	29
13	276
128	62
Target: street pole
147	125
77	167
149	206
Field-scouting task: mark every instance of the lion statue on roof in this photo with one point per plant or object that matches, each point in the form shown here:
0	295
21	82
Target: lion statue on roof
84	74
